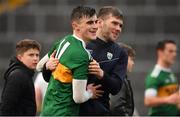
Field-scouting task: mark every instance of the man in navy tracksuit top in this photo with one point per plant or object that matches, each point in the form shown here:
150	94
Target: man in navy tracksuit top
109	67
110	62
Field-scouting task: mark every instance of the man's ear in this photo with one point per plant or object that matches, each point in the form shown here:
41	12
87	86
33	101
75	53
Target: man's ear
74	25
100	23
19	56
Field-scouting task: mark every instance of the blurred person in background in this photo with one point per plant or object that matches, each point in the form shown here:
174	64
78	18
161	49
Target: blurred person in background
122	104
18	96
40	89
162	90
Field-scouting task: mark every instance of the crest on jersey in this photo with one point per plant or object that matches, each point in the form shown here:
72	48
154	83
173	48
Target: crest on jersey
109	55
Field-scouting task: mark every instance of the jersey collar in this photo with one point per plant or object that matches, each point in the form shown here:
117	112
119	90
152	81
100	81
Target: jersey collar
162	68
83	43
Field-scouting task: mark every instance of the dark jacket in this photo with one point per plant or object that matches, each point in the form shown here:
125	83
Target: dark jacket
18	96
113	61
122	104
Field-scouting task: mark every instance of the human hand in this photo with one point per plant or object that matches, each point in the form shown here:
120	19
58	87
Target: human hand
173	99
94	89
95	69
52	62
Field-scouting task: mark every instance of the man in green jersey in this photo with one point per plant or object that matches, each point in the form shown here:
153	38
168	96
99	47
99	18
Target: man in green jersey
68	82
161	93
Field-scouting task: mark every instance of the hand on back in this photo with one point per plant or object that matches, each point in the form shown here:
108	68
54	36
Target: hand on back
52	62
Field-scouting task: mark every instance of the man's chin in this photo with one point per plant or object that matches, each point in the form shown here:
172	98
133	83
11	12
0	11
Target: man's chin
93	37
113	39
33	68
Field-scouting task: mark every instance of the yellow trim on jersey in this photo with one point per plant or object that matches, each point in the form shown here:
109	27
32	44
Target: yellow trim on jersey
167	90
62	74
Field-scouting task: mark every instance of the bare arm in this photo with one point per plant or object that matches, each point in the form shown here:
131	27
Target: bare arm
152	100
155	101
38	98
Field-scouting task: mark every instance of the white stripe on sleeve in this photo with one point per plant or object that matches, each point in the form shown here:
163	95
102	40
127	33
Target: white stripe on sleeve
41	63
151	92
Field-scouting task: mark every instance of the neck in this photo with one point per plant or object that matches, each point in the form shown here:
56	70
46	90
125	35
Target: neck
163	64
79	36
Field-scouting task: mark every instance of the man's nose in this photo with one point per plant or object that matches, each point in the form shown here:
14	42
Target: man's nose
118	28
95	25
36	57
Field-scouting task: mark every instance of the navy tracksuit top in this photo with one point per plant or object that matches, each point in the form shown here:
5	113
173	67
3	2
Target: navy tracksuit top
113	61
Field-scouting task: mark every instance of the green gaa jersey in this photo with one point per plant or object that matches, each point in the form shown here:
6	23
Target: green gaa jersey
161	82
73	64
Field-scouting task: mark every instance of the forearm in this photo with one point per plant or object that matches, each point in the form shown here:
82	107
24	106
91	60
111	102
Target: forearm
38	99
155	101
114	84
41	63
46	73
80	94
114	80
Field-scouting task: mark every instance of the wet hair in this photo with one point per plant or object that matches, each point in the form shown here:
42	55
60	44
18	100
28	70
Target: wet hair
130	51
82	11
107	10
161	44
26	44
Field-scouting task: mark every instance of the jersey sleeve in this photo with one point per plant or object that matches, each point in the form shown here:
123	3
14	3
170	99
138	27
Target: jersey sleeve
151	86
151	82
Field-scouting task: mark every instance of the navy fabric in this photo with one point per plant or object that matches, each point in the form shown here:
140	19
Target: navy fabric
113	60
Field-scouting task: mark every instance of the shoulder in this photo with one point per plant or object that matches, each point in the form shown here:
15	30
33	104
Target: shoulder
75	54
17	76
60	40
155	73
19	72
153	77
80	54
120	52
77	49
120	49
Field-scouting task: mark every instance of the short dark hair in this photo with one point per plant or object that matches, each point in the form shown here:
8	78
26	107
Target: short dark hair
107	10
82	11
130	51
26	44
161	44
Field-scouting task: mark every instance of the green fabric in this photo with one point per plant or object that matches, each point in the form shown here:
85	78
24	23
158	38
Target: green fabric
59	98
162	79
